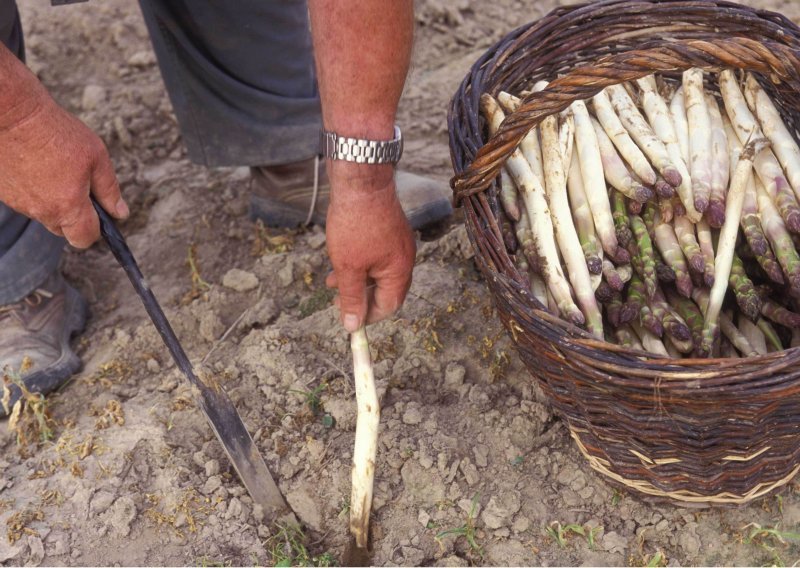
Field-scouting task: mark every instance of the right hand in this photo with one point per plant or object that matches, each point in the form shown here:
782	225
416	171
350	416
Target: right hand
49	164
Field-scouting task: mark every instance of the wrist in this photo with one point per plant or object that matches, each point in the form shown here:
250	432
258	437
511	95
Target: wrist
22	96
352	178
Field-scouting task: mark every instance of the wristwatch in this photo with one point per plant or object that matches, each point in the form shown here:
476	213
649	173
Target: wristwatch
362	151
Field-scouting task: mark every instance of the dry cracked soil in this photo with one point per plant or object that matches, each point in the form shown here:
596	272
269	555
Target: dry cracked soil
473	468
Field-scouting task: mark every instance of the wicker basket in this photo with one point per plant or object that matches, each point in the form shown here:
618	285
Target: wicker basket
722	431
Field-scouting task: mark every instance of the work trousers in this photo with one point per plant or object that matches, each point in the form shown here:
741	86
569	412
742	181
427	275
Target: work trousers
240	76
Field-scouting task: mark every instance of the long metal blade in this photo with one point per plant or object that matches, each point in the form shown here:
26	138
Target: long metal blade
208	394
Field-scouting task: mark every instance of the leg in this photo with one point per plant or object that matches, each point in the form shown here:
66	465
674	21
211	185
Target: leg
29	253
241	79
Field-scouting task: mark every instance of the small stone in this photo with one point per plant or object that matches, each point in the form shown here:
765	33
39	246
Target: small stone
662	525
481	455
689	542
470	507
470	471
234	509
412	415
286	275
454	376
93	96
101	501
10	551
424	486
36	547
212	467
152	365
501	509
306	507
502	533
423	517
122	514
240	280
521	524
316	241
412	556
142	59
452	562
211	326
212	484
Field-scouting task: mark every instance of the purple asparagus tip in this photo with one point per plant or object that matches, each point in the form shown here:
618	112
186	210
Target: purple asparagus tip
709	278
673	176
697	263
664	190
634	207
643	194
700	203
684	285
621	256
715	213
679	331
628	313
594	264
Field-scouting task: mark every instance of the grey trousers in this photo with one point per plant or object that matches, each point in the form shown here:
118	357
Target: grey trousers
240	76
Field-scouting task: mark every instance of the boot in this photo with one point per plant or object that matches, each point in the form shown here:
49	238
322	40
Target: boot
37	330
283	196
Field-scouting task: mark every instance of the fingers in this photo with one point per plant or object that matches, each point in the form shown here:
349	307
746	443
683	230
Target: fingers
387	298
83	229
352	299
105	188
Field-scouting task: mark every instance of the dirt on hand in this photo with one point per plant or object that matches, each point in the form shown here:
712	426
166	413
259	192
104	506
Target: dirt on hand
473	468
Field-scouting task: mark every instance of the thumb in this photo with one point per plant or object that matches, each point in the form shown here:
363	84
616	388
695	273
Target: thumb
105	187
352	299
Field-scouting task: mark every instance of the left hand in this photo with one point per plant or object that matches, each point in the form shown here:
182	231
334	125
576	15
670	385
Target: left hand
369	241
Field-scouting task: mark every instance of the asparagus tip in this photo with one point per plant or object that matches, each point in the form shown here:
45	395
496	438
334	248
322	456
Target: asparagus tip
594	264
684	285
774	273
621	256
643	193
700	203
628	312
665	273
664	190
672	176
635	207
709	279
750	306
715	213
697	263
679	331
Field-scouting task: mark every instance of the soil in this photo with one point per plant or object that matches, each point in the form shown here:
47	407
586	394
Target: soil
473	468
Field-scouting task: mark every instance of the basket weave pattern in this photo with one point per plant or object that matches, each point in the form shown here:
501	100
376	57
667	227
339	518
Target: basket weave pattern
720	431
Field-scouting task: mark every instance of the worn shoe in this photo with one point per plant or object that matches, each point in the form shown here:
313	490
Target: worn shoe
284	196
35	333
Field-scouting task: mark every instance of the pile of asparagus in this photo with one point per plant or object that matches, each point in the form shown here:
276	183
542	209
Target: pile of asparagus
660	215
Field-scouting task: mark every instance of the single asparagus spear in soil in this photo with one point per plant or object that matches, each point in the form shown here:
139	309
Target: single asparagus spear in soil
366	438
773	339
706	242
751	222
667	244
615	170
594	185
582	216
566	235
754	335
690	313
766	164
743	289
650	342
637	296
721	168
660	118
684	230
779	237
645	263
783	143
699	120
628	338
615	130
621	223
640	131
539	215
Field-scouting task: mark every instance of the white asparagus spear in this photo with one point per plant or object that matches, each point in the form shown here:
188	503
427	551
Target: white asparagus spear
706	241
626	336
622	140
783	143
754	335
509	195
699	137
594	183
727	240
566	235
539	289
766	164
649	341
615	170
566	136
530	145
640	131
663	125
720	165
533	195
671	349
582	215
366	438
677	111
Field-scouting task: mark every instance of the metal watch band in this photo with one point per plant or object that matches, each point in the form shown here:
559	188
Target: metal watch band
362	151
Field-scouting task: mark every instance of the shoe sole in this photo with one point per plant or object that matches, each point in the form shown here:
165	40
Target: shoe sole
277	214
49	379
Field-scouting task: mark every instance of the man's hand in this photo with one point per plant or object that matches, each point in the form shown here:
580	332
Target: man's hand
369	242
50	161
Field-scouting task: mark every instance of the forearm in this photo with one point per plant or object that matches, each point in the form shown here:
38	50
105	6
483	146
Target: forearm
19	87
363	50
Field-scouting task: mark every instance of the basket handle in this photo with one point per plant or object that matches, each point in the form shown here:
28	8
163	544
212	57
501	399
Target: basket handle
768	58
